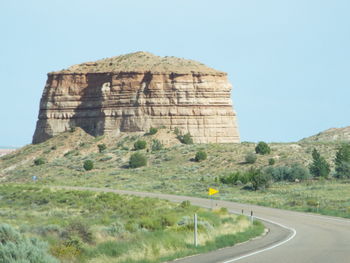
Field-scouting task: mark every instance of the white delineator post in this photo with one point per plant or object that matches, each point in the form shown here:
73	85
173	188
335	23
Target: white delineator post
195	230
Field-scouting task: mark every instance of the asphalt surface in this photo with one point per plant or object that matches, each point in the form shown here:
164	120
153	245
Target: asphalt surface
292	237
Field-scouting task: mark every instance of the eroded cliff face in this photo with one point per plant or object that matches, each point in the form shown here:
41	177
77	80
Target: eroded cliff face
114	102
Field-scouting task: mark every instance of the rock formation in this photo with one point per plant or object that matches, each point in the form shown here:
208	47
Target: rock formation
134	92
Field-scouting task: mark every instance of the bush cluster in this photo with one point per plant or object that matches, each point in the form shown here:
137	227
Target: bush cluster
257	178
285	173
15	247
262	178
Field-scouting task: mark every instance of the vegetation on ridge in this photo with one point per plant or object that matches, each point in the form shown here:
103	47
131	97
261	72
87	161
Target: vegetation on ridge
172	170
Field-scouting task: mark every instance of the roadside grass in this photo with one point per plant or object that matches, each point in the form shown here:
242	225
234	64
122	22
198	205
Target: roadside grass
87	226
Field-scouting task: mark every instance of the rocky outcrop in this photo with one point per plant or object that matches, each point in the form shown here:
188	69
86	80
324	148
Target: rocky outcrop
134	92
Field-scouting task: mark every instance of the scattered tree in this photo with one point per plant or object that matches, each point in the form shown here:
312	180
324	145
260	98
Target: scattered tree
88	165
137	160
319	167
262	148
139	145
200	156
342	162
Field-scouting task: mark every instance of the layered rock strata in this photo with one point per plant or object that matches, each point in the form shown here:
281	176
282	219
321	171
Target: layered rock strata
134	92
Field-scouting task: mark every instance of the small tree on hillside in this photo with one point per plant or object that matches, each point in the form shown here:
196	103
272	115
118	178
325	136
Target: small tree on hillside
342	162
262	148
319	167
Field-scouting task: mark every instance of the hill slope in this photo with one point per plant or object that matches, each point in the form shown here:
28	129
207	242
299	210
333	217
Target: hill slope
330	135
171	169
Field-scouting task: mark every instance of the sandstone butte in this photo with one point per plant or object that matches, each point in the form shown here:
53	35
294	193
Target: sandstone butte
133	92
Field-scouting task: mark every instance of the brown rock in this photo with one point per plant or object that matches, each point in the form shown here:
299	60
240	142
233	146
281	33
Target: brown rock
134	92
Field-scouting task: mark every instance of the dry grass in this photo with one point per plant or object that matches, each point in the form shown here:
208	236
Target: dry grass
141	62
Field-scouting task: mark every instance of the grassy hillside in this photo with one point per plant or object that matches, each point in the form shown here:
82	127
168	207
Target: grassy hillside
83	226
173	170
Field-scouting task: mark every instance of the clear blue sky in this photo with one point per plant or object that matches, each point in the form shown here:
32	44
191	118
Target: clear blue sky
288	60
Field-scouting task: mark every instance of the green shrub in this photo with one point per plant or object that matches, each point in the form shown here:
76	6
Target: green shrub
262	148
185	139
153	131
139	145
272	161
88	165
101	147
235	178
156	145
250	158
39	161
15	247
200	156
137	160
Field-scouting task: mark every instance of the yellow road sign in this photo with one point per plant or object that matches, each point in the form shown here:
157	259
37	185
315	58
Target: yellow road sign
212	191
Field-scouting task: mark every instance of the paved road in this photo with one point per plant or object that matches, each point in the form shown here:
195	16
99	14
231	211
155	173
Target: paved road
304	238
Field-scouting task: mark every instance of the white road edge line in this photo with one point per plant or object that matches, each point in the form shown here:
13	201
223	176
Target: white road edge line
294	232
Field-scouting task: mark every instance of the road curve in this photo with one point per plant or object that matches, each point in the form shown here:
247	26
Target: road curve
304	238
